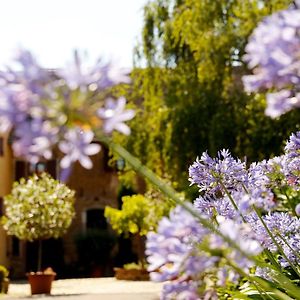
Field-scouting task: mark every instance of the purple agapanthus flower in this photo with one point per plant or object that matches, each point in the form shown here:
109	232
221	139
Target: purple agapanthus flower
77	147
243	235
44	109
292	147
175	253
29	76
212	207
297	209
114	115
273	54
281	225
184	290
281	102
292	164
93	77
211	173
273	51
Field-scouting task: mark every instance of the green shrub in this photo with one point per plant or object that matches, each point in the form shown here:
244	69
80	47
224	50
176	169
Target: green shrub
38	208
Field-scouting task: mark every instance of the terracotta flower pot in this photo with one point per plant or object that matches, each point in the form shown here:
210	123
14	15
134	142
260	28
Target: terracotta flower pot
131	274
40	283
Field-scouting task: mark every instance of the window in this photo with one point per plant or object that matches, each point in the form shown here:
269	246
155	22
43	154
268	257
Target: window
15	246
20	169
37	168
24	169
1	207
1	147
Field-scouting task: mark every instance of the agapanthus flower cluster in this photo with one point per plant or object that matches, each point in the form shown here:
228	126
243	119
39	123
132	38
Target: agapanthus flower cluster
211	173
191	259
255	207
285	229
292	150
46	110
273	54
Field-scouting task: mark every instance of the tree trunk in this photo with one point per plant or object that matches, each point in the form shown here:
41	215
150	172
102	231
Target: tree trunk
141	249
40	253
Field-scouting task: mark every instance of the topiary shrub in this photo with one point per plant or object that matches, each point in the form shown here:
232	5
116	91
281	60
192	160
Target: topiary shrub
38	208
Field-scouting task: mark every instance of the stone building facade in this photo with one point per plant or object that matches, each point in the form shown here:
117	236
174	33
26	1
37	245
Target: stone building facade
94	188
5	186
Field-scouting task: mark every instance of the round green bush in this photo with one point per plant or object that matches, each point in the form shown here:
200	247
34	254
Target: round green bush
38	208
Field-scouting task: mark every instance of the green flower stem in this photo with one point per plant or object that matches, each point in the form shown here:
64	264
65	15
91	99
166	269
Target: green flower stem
290	203
166	189
273	260
286	284
173	196
231	200
275	242
265	285
286	242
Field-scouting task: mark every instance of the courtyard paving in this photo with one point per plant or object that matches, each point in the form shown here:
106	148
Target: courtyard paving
90	289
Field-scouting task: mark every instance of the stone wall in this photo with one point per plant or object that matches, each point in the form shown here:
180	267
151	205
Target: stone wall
94	188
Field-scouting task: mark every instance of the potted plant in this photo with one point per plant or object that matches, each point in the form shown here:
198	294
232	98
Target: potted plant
138	216
4	281
132	271
39	208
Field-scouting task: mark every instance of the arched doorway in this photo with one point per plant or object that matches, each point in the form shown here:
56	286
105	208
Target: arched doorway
95	244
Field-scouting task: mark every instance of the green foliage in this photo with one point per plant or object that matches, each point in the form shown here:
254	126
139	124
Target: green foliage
138	215
38	208
133	266
189	98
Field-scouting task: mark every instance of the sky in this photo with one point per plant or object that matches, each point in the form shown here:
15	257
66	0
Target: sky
52	29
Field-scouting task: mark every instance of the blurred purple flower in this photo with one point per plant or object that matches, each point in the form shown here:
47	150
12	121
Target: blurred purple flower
114	115
297	209
42	108
273	51
77	147
173	254
94	78
185	290
273	54
243	236
281	102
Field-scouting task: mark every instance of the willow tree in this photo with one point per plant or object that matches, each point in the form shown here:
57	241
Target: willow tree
187	89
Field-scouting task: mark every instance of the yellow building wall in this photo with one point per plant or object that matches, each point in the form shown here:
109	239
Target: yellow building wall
6	169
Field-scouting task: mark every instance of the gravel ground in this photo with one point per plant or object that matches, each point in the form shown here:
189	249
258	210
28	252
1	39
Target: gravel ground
90	288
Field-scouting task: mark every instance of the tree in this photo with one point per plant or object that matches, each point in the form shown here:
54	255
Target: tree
38	208
138	216
187	89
